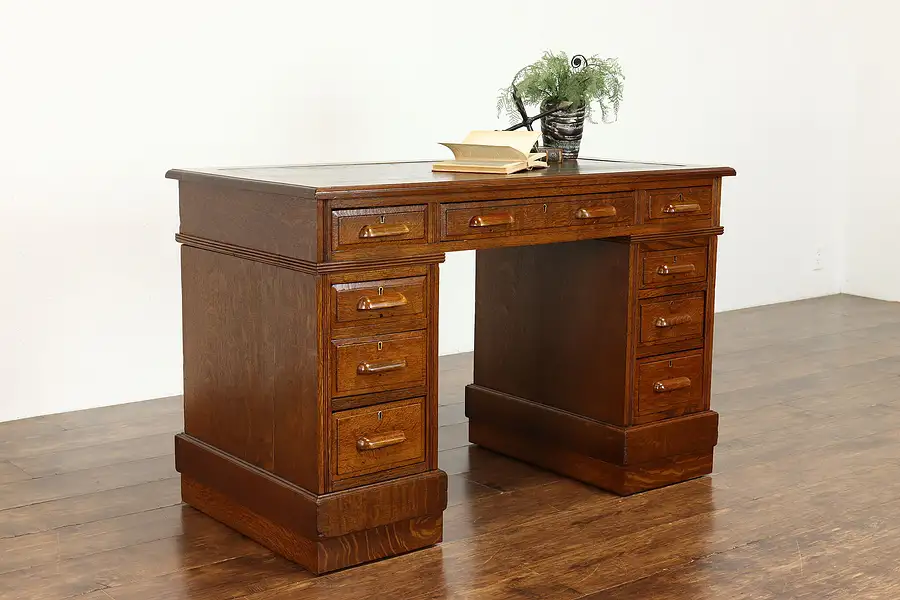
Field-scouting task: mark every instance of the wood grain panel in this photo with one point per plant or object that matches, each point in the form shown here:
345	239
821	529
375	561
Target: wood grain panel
250	334
551	325
281	224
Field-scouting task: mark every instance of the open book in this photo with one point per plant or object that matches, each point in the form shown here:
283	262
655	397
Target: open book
493	152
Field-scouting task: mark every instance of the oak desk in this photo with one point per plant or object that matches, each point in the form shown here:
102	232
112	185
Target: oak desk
310	303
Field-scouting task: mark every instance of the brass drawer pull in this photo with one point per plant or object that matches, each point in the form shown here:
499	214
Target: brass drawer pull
491	220
373	368
382	301
675	269
677	209
374	442
670	385
596	212
673	321
383	230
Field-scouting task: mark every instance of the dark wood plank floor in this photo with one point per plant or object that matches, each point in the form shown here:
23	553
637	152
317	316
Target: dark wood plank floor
804	501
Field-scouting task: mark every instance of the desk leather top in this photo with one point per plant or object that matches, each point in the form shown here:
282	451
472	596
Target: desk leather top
418	175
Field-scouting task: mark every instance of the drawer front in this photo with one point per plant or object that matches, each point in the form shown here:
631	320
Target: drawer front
377	364
391	225
377	438
672	318
681	204
670	386
614	210
480	219
381	299
668	267
477	220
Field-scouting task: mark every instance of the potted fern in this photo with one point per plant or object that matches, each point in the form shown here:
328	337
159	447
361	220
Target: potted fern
573	87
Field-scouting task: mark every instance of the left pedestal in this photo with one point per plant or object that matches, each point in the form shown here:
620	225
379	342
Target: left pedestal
310	410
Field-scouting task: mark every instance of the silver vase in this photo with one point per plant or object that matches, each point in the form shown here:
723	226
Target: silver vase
563	129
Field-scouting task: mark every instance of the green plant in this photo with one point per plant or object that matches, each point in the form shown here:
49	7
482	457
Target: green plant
554	79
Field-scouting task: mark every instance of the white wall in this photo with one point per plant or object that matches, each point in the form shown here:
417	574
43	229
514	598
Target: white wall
99	98
872	205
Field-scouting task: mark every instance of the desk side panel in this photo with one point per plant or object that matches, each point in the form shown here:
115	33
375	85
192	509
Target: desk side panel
283	225
251	363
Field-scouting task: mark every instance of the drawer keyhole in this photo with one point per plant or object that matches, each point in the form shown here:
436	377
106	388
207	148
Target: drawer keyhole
545	208
674	259
380	345
381	290
380	415
381	219
670	364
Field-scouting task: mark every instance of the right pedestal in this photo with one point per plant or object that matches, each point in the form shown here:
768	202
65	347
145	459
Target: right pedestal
592	359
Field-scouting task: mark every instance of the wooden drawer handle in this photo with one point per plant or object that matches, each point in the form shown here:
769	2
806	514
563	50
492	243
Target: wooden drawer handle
374	442
491	220
672	321
373	368
677	209
383	230
670	385
675	269
596	212
389	300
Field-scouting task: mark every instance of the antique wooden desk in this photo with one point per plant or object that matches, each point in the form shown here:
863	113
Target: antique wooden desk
310	298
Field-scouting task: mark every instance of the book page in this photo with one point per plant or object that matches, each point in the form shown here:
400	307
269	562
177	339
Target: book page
484	152
522	140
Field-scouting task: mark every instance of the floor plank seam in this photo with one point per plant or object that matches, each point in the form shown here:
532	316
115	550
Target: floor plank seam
137	512
92	467
112	489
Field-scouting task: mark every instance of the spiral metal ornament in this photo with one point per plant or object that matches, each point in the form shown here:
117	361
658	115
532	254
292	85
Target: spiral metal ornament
578	61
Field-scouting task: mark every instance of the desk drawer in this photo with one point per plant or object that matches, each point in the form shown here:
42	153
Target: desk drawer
364	301
670	267
378	438
669	386
679	204
379	363
390	225
472	220
672	318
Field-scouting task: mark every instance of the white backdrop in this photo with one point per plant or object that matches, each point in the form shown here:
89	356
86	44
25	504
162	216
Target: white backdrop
99	98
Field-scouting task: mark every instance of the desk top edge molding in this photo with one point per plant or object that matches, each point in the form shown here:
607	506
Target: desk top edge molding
421	180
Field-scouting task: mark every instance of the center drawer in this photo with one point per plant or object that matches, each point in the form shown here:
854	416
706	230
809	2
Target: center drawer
377	438
380	363
472	220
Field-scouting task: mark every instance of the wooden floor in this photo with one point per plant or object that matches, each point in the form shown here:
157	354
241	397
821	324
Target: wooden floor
804	501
